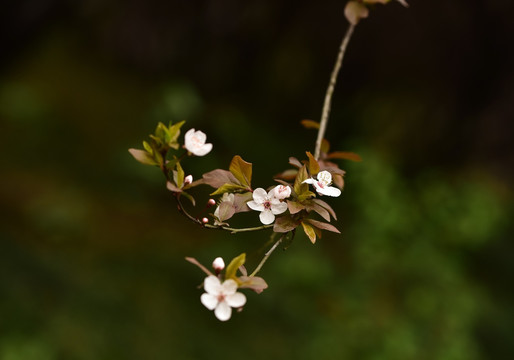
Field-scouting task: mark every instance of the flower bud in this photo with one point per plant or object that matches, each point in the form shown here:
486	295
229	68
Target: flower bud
205	220
188	179
211	202
218	264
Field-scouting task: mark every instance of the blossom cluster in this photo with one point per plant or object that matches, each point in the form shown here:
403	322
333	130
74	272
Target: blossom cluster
283	207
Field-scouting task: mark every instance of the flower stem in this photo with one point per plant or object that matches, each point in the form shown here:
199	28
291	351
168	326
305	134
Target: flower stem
267	255
330	90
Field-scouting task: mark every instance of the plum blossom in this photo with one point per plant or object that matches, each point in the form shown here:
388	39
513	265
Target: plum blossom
218	264
322	185
221	297
195	142
281	192
267	204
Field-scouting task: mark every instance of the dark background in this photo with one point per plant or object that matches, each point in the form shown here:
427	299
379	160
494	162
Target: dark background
92	248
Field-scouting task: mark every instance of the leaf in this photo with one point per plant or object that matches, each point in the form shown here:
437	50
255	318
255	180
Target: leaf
338	180
313	164
345	155
326	206
147	147
312	206
289	174
355	11
240	201
310	124
219	177
143	157
226	210
295	162
255	283
323	225
294	207
228	188
172	187
325	146
180	176
309	231
242	170
285	224
236	262
302	190
189	197
172	135
195	262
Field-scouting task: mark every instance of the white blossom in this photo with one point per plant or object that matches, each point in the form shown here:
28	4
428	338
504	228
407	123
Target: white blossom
218	264
281	192
322	185
195	142
221	297
267	204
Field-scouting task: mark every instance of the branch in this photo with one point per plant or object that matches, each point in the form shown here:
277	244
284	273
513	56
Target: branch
330	90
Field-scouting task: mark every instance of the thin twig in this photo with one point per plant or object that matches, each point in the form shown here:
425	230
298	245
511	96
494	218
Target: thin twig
184	212
267	255
330	90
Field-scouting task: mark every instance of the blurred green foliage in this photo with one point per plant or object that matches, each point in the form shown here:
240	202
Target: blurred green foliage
92	248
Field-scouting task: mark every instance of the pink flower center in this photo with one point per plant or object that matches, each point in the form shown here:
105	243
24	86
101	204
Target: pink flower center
321	185
221	297
267	205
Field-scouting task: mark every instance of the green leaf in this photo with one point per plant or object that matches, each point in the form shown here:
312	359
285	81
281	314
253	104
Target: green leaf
302	190
310	124
346	155
180	176
313	164
236	262
229	188
173	134
143	157
242	170
309	231
323	225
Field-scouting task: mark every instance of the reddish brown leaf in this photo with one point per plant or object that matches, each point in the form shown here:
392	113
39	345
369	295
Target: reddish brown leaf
323	225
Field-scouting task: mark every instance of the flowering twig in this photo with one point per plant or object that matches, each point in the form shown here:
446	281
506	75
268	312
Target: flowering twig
330	90
183	211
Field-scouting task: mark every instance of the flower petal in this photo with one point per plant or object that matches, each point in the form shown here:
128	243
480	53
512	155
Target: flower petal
236	300
229	287
223	311
209	301
255	206
330	191
189	134
279	208
212	285
267	217
203	150
259	195
309	181
200	136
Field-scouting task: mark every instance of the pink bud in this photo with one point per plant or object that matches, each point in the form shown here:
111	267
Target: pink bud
211	202
205	220
218	264
188	179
